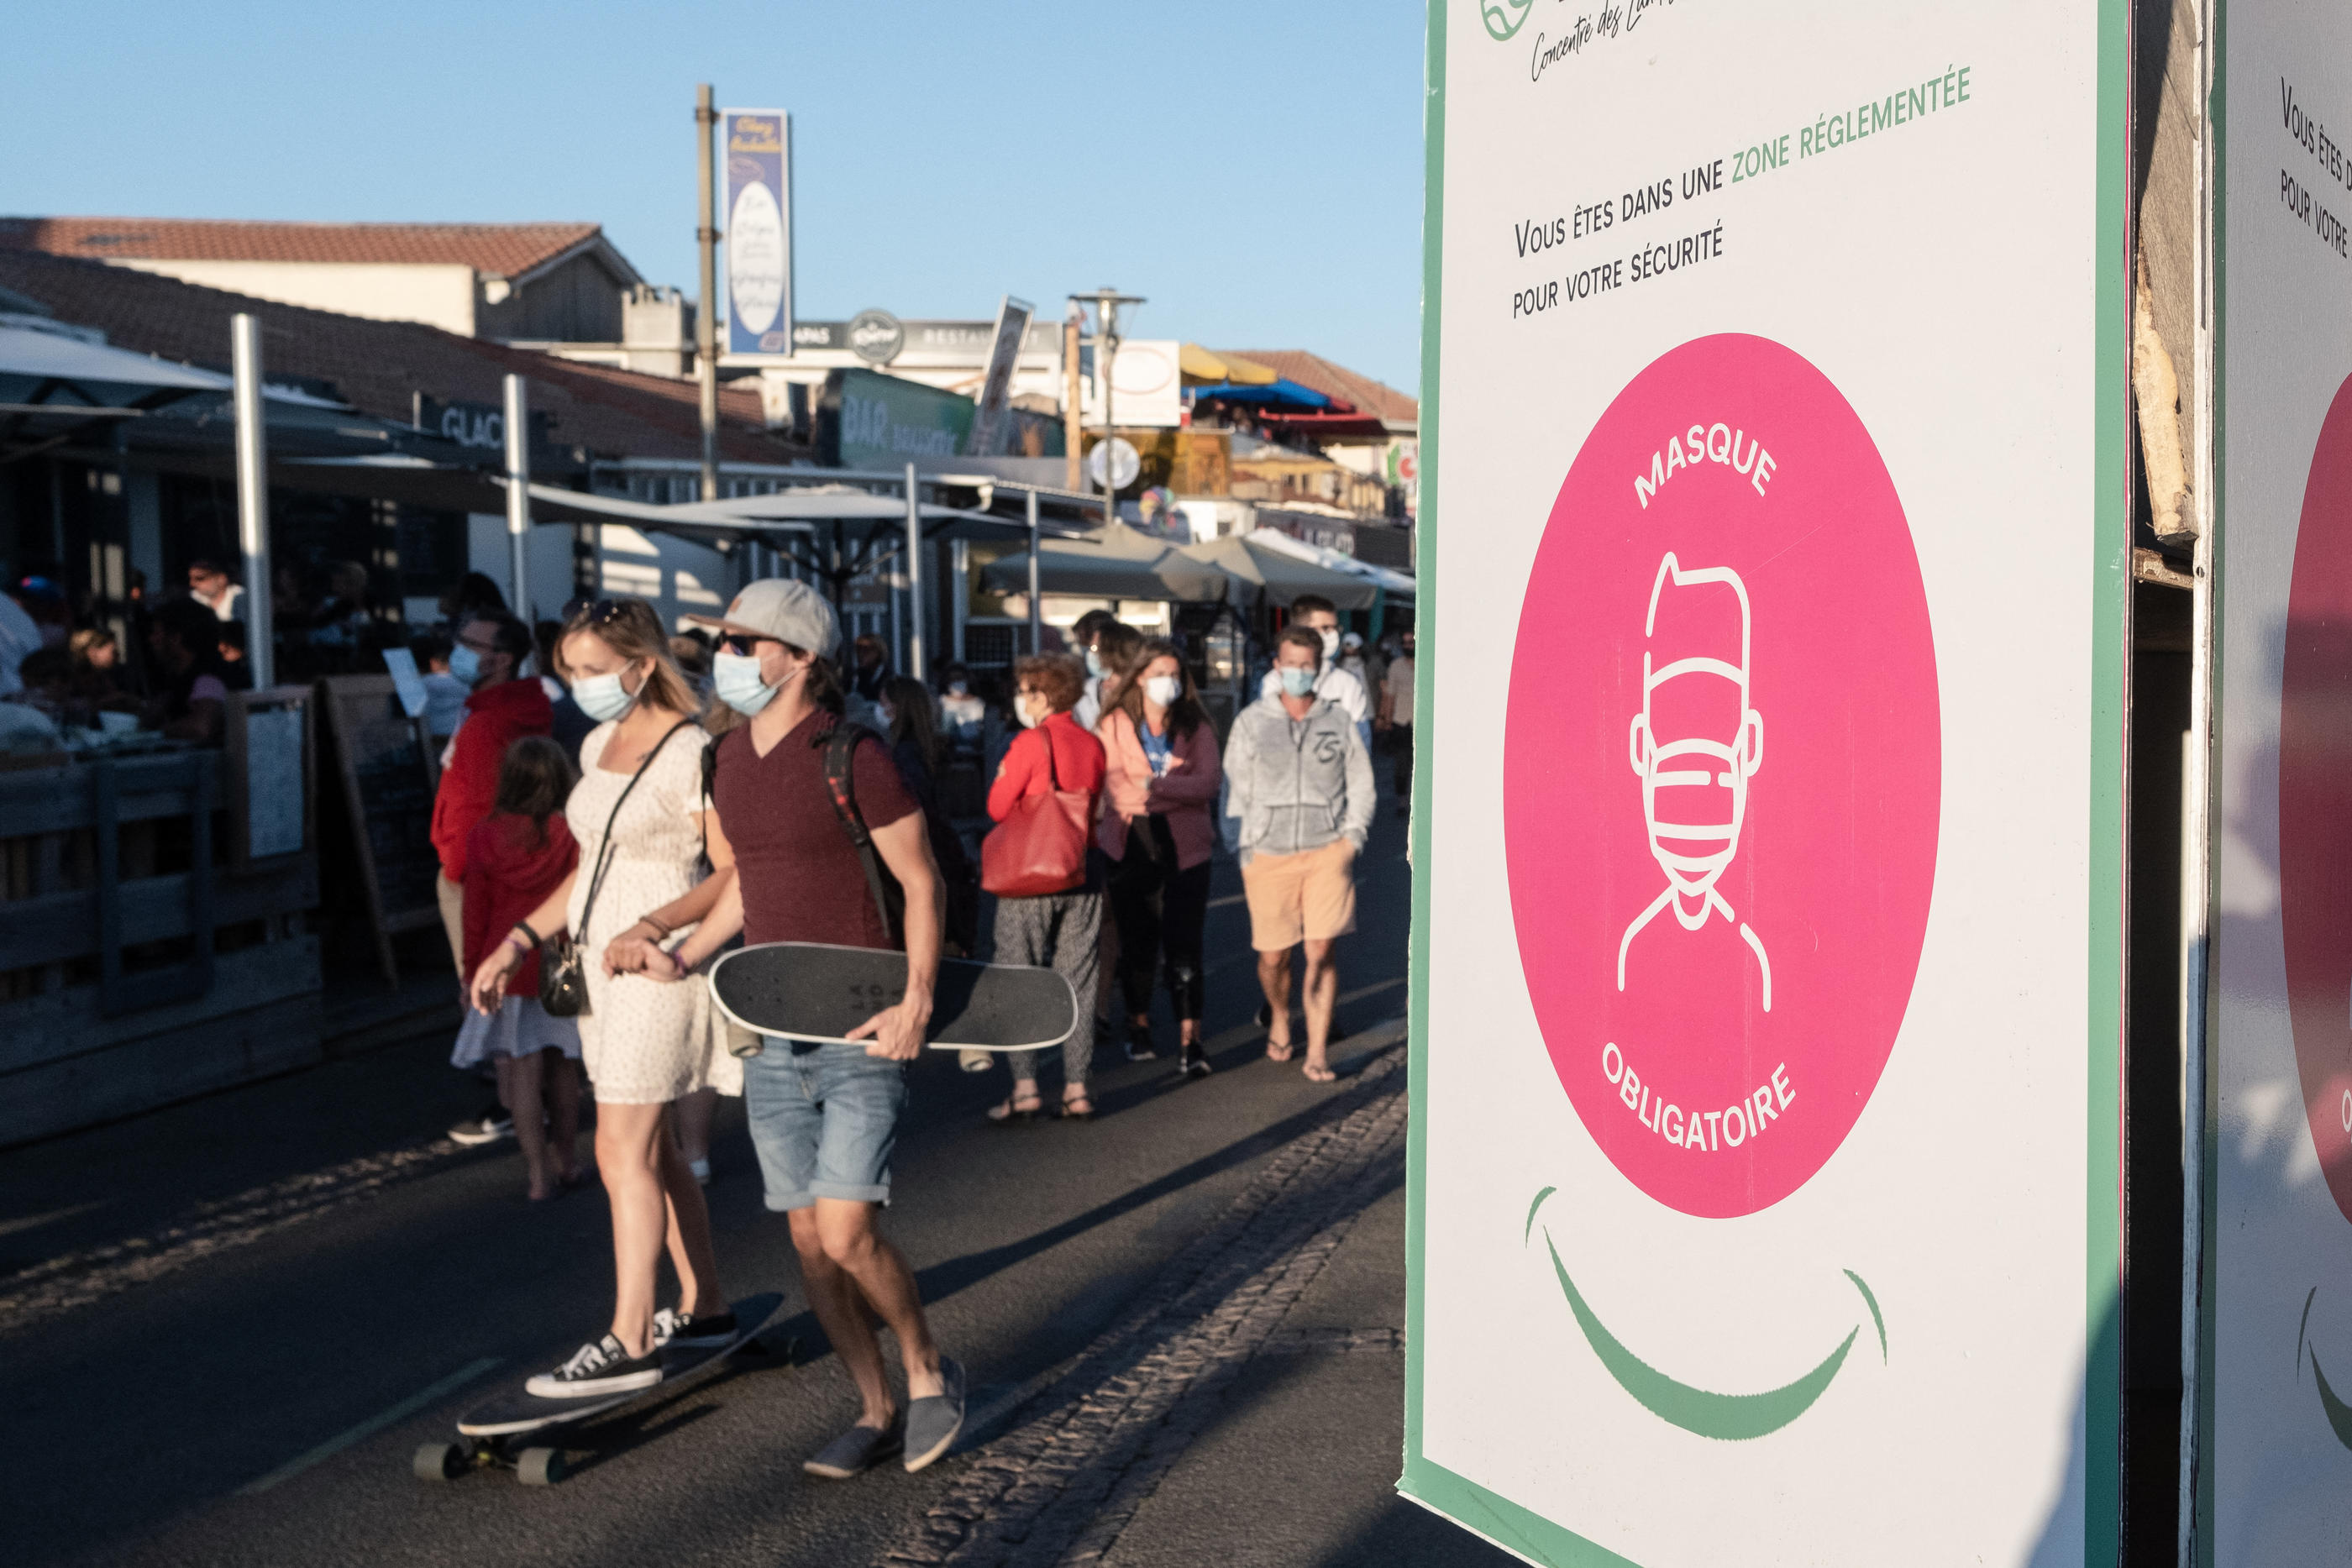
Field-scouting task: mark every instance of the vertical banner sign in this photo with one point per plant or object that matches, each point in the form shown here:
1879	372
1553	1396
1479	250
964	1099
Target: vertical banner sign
1768	971
757	186
996	387
2277	1423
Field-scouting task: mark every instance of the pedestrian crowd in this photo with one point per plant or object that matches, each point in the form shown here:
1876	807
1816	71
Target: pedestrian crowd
756	782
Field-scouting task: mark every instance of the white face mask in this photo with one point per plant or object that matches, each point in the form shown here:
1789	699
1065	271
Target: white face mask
955	688
735	678
603	697
1029	711
1162	691
1330	641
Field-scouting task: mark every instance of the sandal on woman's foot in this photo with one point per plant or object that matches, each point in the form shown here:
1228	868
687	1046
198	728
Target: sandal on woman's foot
1016	1108
1076	1107
1318	1073
1279	1050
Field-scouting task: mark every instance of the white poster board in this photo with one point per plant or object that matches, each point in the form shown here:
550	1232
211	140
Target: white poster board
2275	1483
1768	956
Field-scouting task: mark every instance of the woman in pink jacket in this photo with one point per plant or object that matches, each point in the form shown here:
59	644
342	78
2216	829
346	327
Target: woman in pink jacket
1157	829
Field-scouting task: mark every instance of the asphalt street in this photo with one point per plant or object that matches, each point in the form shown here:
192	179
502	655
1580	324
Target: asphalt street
224	1327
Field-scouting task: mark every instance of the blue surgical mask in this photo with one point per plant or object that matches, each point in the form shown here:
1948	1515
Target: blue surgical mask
1094	664
1296	682
465	663
603	697
735	678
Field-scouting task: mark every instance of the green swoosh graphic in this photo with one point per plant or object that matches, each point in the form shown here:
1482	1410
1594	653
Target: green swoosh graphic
1528	1229
1729	1418
2339	1415
1500	25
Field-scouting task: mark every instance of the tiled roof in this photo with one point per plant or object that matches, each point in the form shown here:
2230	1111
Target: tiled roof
377	366
1382	402
504	250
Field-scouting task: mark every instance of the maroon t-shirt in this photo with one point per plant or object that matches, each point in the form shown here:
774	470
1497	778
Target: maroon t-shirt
802	880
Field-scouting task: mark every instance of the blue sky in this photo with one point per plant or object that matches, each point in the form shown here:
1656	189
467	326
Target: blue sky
1253	169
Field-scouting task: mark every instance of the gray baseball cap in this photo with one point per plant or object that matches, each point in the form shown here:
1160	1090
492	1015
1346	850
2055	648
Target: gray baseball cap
784	607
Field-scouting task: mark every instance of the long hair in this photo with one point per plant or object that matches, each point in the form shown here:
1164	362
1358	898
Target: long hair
535	778
1115	647
911	718
1185	715
631	629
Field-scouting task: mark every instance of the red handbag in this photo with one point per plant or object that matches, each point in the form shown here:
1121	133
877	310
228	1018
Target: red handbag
1040	847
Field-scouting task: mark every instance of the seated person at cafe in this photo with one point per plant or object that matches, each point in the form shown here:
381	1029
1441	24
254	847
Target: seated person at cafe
185	638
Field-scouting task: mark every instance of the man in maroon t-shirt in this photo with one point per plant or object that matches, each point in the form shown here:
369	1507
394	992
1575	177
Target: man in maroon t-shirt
823	1118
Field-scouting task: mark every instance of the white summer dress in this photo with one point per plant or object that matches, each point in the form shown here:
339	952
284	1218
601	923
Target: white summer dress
644	1041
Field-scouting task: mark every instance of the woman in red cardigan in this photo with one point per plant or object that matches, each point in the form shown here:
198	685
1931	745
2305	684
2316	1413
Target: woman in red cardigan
1157	834
1062	931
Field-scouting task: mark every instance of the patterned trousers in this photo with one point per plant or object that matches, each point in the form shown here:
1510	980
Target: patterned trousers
1062	931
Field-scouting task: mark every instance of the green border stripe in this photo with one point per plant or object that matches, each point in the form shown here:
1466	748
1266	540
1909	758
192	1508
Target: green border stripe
2111	630
2218	124
1426	720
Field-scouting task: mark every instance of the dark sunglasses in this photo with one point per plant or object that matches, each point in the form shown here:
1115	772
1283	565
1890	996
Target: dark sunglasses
742	644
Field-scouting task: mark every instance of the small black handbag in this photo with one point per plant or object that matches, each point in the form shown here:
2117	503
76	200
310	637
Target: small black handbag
563	968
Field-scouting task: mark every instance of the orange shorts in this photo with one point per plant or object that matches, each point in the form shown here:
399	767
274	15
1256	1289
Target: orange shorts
1307	897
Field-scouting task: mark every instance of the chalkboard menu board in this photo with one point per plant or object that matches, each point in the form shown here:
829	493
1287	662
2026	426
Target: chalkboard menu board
386	762
267	742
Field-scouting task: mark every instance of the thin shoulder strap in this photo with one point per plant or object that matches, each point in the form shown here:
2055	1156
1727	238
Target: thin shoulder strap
604	848
841	784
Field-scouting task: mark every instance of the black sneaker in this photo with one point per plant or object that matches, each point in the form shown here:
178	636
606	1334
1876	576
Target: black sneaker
486	1126
1195	1065
600	1368
677	1331
1139	1043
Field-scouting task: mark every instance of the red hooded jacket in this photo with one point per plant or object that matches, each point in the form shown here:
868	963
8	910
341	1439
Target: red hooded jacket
495	716
510	873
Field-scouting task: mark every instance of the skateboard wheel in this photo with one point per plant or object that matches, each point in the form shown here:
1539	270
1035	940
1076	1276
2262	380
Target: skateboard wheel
438	1462
540	1467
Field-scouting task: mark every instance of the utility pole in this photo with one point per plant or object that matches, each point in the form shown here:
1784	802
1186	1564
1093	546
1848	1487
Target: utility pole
1106	301
517	435
1073	403
916	667
705	315
253	498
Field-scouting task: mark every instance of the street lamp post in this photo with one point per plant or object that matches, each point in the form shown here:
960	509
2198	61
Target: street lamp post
1106	301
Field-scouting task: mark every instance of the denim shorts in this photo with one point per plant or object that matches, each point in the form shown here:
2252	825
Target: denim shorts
823	1119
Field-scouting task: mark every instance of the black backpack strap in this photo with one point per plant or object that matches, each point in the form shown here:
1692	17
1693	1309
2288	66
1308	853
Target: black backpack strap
841	784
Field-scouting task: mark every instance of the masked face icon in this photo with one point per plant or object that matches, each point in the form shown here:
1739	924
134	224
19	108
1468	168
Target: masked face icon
1694	746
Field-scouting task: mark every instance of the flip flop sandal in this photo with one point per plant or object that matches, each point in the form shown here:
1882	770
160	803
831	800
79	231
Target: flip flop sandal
1069	1111
1314	1074
1011	1111
1282	1052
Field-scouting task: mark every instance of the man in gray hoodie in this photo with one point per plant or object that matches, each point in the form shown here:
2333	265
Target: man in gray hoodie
1298	803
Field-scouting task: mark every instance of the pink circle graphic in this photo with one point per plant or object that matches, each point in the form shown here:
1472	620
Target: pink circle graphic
2316	799
1723	775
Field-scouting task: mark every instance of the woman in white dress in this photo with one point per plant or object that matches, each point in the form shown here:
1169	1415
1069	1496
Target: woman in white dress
646	1045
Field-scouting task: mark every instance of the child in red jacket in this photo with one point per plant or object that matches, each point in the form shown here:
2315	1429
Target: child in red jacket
514	858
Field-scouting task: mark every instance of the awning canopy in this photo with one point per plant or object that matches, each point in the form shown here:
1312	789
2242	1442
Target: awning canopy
1114	562
40	367
1277	393
1396	583
1278	577
1198	364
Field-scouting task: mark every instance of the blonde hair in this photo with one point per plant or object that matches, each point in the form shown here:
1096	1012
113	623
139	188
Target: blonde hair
631	629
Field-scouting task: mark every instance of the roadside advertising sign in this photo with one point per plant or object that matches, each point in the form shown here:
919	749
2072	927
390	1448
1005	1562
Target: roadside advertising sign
997	385
1768	964
867	420
756	145
2276	1358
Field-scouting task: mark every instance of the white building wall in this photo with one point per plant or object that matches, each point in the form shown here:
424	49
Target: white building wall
438	296
677	578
